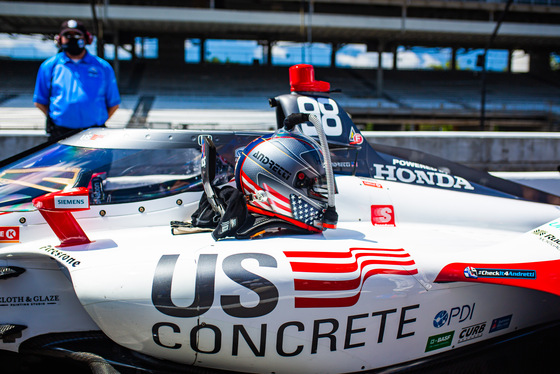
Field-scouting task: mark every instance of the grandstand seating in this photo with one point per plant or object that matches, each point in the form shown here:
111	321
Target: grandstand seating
407	94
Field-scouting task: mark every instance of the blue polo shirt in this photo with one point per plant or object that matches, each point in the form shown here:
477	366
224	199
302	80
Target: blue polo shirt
77	93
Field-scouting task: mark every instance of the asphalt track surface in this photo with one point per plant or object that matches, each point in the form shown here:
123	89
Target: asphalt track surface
535	352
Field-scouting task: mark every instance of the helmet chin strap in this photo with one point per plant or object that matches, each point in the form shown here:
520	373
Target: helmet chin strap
330	217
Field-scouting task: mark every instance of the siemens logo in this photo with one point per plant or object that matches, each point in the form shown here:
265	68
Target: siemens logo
429	176
67	202
70	201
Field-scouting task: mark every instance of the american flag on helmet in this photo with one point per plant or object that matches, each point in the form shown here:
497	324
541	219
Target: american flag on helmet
303	211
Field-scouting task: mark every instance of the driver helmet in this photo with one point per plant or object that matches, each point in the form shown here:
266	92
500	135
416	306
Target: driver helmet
282	175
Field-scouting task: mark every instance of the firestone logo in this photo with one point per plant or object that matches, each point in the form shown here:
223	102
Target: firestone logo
412	172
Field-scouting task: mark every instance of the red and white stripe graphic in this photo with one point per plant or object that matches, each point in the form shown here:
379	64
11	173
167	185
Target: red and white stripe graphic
321	272
279	203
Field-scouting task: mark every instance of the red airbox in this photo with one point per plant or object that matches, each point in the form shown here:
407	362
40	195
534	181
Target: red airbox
302	79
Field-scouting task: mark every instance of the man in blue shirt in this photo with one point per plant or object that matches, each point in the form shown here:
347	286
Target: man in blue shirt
74	88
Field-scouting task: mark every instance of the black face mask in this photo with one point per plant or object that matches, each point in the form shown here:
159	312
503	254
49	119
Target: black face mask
74	46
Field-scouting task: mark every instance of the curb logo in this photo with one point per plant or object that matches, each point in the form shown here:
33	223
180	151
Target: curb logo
471	332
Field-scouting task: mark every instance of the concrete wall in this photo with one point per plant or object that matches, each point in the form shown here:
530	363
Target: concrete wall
497	151
481	150
14	142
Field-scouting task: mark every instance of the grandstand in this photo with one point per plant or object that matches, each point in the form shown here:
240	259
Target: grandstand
411	100
167	92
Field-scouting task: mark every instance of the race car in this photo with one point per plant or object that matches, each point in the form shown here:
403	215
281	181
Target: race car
419	257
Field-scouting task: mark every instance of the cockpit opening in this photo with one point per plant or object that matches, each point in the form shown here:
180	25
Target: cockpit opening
111	175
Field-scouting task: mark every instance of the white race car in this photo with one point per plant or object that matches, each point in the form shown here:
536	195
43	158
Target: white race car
427	256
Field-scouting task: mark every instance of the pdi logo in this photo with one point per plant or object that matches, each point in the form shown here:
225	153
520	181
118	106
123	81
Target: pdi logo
382	215
458	313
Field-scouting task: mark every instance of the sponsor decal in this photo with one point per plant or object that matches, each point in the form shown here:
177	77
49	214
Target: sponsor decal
9	234
471	272
461	313
500	323
439	341
382	215
332	334
547	237
372	184
344	164
312	275
61	256
339	334
355	138
26	300
412	172
91	137
471	332
266	161
316	269
64	202
205	284
441	318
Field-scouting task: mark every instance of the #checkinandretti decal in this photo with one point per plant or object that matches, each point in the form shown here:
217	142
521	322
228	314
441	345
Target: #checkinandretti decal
324	272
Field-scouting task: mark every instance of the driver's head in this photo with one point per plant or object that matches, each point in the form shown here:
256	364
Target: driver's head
283	176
